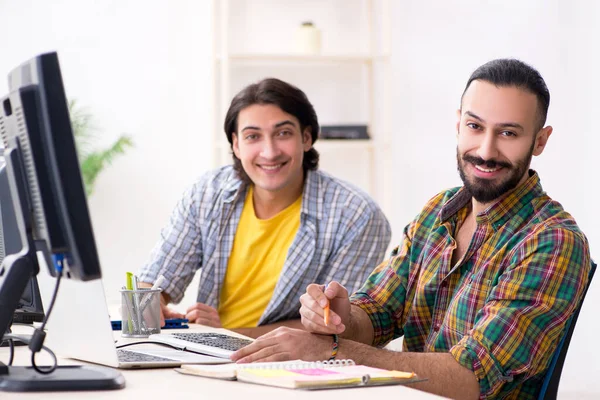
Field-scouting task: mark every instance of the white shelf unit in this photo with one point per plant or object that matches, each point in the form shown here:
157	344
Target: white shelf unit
317	58
347	82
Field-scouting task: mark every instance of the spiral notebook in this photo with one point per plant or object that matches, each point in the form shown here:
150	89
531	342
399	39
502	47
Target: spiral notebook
304	375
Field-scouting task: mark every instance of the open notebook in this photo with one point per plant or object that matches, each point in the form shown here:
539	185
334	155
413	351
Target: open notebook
304	375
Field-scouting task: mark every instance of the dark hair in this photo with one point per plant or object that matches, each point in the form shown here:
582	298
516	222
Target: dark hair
285	96
512	72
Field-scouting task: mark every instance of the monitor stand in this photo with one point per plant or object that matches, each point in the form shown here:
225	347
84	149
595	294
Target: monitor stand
16	342
64	378
16	270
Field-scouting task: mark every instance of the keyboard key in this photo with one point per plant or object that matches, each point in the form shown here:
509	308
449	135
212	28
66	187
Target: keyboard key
132	356
217	340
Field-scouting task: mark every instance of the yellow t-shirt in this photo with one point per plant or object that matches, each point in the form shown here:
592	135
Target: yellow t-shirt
259	251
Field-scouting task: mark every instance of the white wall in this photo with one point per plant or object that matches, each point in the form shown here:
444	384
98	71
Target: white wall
436	46
142	67
339	91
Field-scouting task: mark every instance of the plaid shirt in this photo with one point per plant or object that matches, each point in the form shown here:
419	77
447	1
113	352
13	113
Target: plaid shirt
501	310
342	234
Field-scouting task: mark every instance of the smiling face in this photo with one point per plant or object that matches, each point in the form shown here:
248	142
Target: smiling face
498	134
270	145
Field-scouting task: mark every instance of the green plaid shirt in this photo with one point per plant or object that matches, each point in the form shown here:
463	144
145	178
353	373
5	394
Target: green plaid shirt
500	311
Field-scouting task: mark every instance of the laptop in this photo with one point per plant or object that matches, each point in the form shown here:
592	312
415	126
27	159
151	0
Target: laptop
213	344
79	327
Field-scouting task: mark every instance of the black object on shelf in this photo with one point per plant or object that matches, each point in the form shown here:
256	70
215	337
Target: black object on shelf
344	132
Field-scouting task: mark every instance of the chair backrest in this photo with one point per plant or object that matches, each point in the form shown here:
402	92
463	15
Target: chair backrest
550	385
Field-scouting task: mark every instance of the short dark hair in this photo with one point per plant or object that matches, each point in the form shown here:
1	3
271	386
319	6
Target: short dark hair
512	72
285	96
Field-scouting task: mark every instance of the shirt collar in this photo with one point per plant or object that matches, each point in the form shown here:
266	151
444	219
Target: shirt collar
233	187
312	202
503	209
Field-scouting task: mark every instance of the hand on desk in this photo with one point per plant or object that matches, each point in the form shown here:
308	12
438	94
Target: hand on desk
200	313
166	313
285	344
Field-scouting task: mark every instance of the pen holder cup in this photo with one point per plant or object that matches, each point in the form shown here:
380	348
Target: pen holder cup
140	312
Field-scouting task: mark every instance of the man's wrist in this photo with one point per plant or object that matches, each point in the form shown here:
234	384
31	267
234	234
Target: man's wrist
164	299
359	327
350	325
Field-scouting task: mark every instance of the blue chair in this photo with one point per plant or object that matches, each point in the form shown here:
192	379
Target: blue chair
550	385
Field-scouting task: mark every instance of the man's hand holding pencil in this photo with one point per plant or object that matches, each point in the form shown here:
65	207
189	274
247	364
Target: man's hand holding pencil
325	308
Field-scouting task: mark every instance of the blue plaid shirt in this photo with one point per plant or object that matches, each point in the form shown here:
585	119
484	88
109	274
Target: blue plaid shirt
343	234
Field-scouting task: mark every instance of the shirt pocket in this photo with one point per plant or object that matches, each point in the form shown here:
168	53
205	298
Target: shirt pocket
467	303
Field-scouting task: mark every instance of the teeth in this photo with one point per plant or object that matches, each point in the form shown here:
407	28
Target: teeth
271	167
486	170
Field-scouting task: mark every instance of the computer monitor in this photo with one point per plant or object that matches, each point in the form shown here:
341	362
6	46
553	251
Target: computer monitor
30	308
49	204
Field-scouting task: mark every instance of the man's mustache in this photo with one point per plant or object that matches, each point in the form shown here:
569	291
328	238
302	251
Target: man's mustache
488	163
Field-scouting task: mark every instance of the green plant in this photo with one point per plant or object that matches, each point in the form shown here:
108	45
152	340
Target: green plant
92	161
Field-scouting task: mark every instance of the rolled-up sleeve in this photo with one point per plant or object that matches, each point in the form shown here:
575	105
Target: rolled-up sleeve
383	296
178	254
516	333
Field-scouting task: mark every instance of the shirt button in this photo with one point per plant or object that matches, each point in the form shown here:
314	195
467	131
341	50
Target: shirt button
436	327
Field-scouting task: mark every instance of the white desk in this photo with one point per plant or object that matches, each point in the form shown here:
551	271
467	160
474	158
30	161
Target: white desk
165	383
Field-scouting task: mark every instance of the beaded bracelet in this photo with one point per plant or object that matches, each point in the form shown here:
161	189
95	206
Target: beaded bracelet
335	347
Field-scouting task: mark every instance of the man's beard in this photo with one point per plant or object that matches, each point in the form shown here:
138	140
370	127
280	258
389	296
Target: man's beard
487	190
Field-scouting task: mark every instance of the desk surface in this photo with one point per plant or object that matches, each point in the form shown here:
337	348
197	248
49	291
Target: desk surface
166	383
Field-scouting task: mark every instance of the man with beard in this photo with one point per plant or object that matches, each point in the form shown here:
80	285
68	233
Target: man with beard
487	274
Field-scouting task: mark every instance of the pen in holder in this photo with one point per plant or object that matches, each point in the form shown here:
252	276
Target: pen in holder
140	312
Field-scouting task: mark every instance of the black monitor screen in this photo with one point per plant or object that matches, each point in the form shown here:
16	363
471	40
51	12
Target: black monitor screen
60	211
44	185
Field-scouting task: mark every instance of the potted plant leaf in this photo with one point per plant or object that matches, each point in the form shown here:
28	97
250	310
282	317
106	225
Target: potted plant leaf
92	160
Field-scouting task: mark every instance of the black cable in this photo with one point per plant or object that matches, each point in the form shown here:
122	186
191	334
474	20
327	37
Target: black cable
44	371
11	345
52	301
27	339
37	340
150	342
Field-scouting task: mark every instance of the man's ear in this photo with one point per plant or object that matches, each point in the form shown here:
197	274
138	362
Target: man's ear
235	145
458	115
307	138
541	140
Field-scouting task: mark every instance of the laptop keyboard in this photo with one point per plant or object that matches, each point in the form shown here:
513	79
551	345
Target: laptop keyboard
217	340
132	356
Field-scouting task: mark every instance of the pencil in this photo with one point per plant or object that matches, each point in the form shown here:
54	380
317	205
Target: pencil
326	314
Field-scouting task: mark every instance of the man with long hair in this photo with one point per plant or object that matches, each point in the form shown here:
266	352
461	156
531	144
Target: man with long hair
264	228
